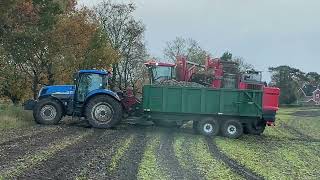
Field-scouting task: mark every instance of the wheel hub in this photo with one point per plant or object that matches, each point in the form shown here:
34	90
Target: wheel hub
102	112
48	112
208	128
232	129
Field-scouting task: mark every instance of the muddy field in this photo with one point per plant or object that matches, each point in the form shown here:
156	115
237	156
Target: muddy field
71	150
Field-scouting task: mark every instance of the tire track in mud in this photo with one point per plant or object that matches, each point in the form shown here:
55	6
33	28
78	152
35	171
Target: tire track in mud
304	138
97	166
14	150
62	163
129	163
301	135
29	161
233	165
166	156
276	139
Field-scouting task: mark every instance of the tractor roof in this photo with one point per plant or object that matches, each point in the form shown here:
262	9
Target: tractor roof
93	71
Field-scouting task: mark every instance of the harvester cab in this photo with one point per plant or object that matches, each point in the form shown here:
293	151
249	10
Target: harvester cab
159	71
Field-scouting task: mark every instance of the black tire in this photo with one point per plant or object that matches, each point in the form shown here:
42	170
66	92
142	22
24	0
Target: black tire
103	112
245	129
208	127
256	128
48	111
232	129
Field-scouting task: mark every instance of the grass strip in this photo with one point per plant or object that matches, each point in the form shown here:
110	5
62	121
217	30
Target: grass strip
204	163
123	147
274	155
148	168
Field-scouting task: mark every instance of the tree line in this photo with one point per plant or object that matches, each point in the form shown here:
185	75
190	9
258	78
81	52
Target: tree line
290	80
45	42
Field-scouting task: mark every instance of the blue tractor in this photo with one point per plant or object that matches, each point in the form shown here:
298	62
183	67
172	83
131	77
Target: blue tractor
89	97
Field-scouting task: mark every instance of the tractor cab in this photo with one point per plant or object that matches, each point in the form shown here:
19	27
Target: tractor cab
251	79
252	76
88	82
159	72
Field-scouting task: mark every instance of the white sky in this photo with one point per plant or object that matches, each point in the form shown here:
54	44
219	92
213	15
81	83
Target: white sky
265	33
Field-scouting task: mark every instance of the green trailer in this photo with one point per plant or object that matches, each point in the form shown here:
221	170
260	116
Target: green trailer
213	111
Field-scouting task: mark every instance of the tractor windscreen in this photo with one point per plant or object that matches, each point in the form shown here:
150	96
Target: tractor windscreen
89	82
161	73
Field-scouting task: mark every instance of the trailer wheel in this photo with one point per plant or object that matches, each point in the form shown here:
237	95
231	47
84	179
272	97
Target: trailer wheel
103	112
232	129
48	111
256	127
208	127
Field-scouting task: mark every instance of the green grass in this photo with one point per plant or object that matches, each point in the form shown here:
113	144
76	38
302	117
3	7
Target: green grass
307	125
206	164
274	155
123	147
148	168
12	117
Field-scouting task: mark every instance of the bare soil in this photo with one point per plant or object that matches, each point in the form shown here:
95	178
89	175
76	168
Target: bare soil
166	156
92	156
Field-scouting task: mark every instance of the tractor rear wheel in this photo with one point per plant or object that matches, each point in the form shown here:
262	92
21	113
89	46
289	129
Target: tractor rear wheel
232	129
208	127
48	111
103	112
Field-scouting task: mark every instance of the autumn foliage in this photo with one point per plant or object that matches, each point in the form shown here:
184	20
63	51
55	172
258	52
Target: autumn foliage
45	42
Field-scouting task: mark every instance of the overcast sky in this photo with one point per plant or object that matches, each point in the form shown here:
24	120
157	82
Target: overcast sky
265	33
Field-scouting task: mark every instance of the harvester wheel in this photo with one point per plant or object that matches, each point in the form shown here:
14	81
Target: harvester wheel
208	127
103	112
256	127
232	129
48	111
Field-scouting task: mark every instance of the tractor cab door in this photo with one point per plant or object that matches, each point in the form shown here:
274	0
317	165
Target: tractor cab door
88	82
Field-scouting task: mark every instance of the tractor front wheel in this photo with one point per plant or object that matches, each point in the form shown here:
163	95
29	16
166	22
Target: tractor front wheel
48	111
103	112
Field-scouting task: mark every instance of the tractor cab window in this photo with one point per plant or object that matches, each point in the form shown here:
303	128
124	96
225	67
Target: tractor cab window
161	73
88	83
